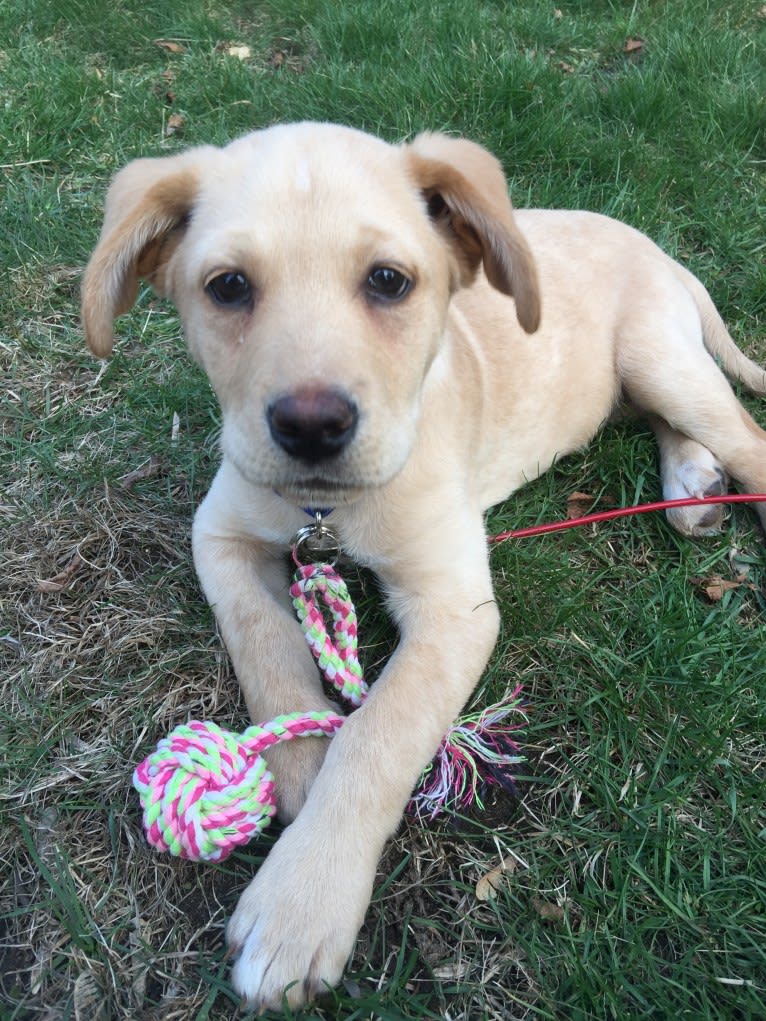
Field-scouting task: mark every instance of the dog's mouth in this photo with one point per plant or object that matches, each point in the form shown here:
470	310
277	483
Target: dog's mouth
320	484
320	490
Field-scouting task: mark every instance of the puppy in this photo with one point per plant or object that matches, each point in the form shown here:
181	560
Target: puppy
389	340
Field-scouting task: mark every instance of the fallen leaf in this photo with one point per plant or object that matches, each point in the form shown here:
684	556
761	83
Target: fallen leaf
715	587
565	67
63	579
176	123
170	45
277	58
633	45
548	912
558	14
579	504
451	972
489	884
240	52
88	998
145	471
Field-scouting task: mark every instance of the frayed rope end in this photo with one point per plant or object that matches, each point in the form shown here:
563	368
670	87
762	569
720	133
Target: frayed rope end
477	752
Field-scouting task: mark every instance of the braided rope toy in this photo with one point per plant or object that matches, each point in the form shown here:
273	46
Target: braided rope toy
205	791
337	659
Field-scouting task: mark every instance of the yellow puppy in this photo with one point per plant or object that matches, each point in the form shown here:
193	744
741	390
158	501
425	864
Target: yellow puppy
388	339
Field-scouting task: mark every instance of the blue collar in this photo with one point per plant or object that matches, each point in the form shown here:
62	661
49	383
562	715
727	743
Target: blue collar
312	512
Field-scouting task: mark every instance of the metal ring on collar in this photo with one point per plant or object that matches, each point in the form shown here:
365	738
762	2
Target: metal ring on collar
319	541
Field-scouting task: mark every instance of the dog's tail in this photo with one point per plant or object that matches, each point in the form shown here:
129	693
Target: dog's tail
719	342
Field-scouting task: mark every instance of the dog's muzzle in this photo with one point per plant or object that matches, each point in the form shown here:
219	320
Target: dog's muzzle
313	424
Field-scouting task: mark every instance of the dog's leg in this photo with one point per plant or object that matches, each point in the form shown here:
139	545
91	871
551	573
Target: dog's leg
298	919
680	383
689	469
247	586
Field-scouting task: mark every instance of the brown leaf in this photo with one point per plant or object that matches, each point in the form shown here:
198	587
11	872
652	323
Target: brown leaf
176	123
170	45
565	67
633	45
63	579
489	884
548	912
145	471
277	58
579	504
715	586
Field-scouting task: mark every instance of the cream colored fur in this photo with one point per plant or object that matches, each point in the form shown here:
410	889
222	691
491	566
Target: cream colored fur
519	335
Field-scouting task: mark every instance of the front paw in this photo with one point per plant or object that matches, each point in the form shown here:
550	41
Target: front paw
295	766
295	925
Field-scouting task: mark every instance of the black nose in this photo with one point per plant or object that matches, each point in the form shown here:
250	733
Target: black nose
312	423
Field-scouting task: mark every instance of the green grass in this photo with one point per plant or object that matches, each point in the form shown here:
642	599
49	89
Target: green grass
640	829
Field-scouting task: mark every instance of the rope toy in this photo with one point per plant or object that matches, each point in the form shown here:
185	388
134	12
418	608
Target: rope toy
205	791
337	659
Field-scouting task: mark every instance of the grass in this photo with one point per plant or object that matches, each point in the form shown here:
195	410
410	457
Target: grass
639	833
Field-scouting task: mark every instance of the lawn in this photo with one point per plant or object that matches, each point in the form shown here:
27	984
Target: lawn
635	847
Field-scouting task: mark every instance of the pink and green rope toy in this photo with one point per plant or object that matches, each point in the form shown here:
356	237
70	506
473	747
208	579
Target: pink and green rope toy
205	791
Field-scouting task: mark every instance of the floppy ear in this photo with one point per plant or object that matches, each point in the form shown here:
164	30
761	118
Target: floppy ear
467	197
147	208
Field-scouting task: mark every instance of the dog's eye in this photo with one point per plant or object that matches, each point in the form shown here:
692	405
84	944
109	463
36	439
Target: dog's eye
231	289
388	283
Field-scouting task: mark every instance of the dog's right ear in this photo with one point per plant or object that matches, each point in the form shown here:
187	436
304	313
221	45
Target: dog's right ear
147	208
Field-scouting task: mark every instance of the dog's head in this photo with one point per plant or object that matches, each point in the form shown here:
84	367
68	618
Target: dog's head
312	267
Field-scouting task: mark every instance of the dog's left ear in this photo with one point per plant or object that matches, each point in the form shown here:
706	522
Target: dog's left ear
467	197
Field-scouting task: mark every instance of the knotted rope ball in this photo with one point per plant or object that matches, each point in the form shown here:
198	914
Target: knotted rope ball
205	790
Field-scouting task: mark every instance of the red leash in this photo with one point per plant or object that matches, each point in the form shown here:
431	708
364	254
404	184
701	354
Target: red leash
622	512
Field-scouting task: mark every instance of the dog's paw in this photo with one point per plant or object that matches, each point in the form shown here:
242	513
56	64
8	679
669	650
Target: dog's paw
295	766
295	925
697	480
